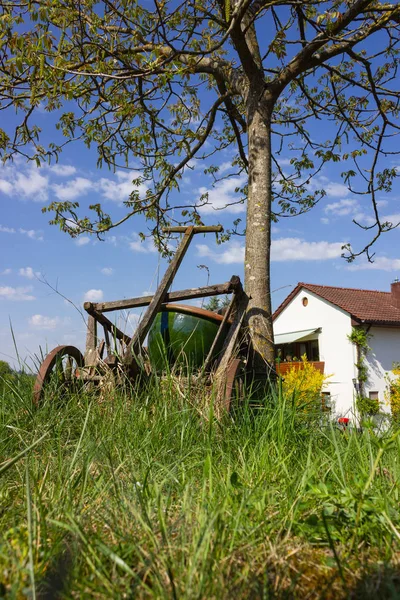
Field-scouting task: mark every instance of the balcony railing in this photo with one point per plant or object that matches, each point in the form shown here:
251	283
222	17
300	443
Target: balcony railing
283	367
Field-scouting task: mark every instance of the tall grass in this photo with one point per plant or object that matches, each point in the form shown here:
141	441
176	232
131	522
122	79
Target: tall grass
143	494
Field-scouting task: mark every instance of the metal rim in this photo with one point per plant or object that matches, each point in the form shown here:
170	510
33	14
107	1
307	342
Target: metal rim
194	311
48	364
232	379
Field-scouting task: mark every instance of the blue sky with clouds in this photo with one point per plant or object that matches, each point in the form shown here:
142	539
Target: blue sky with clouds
45	275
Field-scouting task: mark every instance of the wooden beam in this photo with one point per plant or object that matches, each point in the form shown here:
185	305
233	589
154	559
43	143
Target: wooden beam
188	294
120	335
134	347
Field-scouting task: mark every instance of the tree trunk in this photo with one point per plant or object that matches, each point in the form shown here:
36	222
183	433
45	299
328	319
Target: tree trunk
258	232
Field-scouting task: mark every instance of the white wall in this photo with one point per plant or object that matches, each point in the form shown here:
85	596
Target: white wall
334	348
385	349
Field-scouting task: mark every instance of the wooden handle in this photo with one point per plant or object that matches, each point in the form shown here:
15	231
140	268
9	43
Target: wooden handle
199	229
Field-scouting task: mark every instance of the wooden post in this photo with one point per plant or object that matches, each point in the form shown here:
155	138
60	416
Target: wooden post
236	285
134	346
228	353
91	341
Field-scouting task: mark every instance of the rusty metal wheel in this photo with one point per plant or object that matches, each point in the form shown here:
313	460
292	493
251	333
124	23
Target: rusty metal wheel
59	371
234	384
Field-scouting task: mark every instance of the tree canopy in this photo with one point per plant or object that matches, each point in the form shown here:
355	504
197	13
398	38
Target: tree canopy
154	85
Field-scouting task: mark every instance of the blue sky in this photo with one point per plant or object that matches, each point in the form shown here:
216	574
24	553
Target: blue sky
36	257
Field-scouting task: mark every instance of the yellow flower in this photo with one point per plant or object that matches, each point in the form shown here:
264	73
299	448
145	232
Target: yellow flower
304	384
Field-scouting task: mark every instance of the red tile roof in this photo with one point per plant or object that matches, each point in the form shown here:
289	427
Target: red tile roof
366	306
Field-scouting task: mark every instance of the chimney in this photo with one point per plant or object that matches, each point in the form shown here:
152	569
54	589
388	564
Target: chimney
395	293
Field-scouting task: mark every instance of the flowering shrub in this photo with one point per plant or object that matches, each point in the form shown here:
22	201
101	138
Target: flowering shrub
392	394
304	385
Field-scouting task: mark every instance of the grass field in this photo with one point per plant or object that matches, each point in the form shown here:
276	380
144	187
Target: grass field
147	495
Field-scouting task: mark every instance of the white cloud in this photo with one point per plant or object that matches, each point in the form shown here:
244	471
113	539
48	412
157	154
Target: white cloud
144	247
283	249
32	185
342	208
7	229
336	190
234	253
93	296
72	189
324	220
107	271
223	196
6	187
382	263
112	239
82	241
16	294
394	219
63	170
24	180
349	207
120	188
333	189
224	167
32	234
290	249
42	322
6	272
28	272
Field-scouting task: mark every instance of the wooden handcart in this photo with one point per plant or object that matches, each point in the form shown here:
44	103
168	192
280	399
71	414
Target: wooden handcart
118	354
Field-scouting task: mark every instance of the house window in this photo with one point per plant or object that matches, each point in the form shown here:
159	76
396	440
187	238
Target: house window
373	395
326	402
305	301
294	352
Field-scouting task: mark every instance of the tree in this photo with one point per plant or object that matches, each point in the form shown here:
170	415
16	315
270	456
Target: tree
5	369
148	84
215	304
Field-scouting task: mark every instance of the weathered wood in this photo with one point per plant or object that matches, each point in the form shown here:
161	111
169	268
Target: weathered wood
188	294
120	335
134	345
223	376
107	339
220	333
91	335
91	341
232	339
197	229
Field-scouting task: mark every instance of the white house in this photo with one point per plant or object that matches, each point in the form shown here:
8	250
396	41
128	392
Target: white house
316	320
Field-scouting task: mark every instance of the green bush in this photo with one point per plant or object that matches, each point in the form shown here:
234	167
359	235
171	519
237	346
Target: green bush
367	406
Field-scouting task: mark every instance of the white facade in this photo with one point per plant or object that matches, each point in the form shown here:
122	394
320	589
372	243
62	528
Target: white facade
338	353
385	350
335	350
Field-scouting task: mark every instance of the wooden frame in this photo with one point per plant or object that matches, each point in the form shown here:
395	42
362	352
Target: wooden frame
133	346
93	367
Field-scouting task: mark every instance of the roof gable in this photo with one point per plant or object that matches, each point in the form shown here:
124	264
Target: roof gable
366	306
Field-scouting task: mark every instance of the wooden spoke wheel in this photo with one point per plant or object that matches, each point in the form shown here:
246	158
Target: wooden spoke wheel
234	384
59	372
